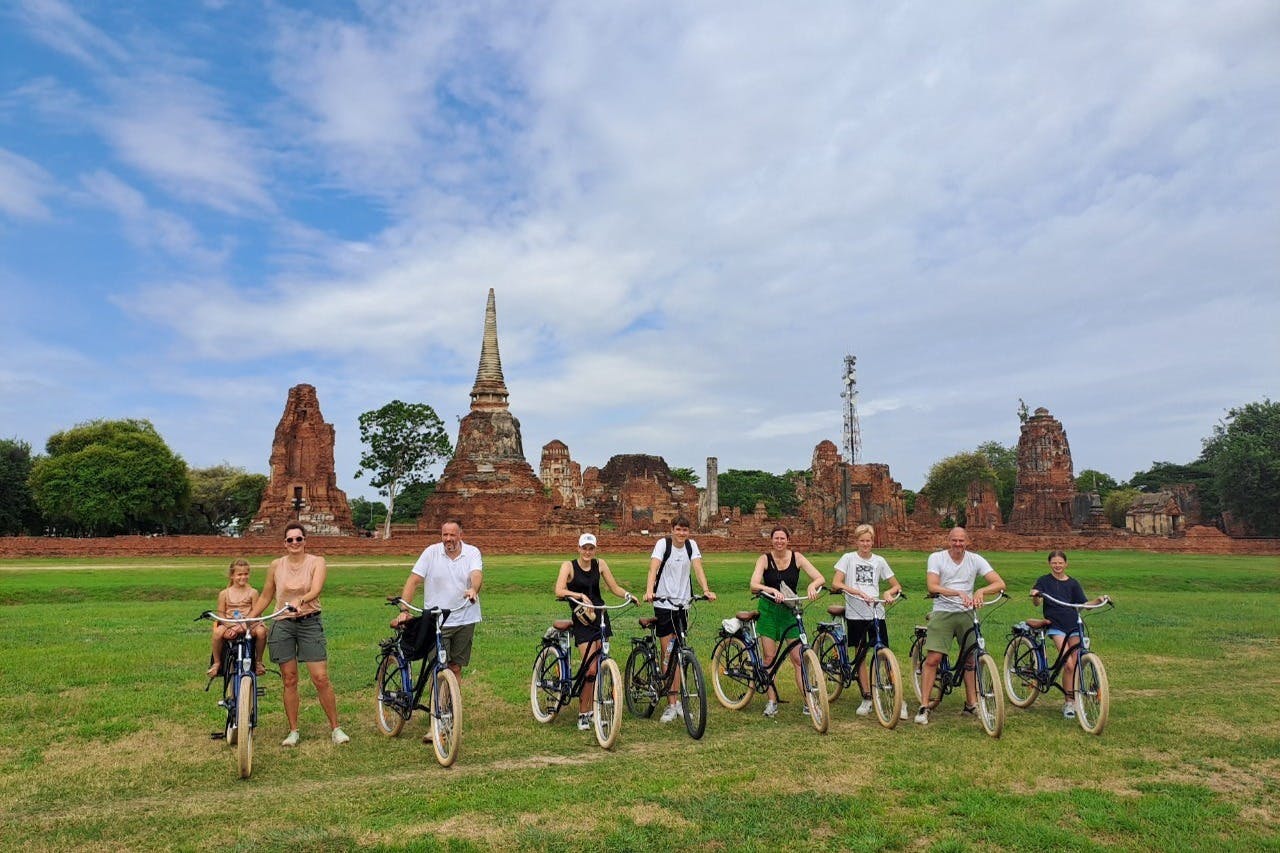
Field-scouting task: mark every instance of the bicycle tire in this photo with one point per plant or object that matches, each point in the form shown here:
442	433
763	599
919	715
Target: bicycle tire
244	726
732	673
886	688
639	682
990	695
833	668
1021	672
390	704
815	691
446	717
693	695
546	687
606	717
1093	694
916	657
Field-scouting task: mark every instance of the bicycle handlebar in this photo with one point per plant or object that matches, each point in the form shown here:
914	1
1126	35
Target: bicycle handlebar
887	602
1106	602
244	620
677	605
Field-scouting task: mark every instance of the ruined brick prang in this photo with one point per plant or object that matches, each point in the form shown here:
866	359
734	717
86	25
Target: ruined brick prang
1046	486
560	475
302	467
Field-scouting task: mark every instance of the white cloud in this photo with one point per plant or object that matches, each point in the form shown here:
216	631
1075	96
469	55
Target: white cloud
23	187
145	225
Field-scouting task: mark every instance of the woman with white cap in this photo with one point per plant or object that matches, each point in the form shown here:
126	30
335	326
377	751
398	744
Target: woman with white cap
579	583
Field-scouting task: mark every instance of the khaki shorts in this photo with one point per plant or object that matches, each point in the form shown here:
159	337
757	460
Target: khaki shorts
945	628
457	643
297	639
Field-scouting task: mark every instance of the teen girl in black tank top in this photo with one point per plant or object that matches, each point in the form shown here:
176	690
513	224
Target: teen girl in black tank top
775	577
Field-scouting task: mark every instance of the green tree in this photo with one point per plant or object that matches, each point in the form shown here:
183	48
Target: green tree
1199	474
685	475
908	501
1090	480
368	514
948	484
1004	461
106	477
404	440
742	489
1117	502
412	497
224	498
17	509
1243	455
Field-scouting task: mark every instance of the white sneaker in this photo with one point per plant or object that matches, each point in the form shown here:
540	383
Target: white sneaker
339	736
584	721
292	739
672	712
771	708
864	708
923	717
905	715
1069	710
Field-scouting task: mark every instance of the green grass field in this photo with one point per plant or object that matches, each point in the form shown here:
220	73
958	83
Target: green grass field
104	728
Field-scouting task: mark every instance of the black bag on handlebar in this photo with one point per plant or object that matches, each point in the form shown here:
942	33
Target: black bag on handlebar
418	636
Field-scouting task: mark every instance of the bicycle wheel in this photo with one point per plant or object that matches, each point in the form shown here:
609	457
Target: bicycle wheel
390	708
917	656
446	717
546	685
244	726
229	702
732	673
1093	694
990	696
1020	670
828	649
641	675
886	688
607	713
693	694
815	691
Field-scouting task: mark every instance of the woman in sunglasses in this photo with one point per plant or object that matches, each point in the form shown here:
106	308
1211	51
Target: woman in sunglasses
297	579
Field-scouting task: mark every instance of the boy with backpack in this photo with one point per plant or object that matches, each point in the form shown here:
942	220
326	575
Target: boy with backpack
673	556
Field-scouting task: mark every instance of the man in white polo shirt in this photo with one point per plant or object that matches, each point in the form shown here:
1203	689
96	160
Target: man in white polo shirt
453	573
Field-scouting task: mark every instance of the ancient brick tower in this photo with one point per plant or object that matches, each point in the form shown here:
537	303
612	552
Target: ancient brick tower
303	484
488	485
1046	485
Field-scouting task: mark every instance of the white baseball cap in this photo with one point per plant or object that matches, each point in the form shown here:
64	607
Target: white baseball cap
586	539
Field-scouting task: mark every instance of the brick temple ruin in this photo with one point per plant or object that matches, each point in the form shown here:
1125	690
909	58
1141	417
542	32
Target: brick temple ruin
303	485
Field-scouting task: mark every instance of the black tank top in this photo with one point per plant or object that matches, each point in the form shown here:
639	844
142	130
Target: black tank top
586	582
775	577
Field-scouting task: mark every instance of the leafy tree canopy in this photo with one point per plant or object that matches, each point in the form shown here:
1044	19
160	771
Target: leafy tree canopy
17	509
224	498
106	477
368	514
685	475
412	497
1243	458
404	440
948	484
742	489
1090	480
1004	461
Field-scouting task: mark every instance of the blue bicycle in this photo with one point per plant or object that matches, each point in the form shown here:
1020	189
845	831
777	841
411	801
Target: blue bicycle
240	690
399	695
884	689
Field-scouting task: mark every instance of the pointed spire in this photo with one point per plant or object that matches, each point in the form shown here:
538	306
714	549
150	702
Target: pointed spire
490	390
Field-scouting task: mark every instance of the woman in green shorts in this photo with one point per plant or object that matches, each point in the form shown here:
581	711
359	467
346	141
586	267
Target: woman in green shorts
777	566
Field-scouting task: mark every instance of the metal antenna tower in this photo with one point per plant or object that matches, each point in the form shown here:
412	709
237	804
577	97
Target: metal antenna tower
852	431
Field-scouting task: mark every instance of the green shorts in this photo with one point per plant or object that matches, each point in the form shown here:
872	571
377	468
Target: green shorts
776	622
297	639
946	627
457	643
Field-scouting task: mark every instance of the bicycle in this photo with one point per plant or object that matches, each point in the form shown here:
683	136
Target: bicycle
551	687
399	694
885	676
1027	673
738	671
976	659
240	690
645	681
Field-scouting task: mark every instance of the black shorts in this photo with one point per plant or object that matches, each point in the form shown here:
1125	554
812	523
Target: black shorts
668	620
590	632
859	632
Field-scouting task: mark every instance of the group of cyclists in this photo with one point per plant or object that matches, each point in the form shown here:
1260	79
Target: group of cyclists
451	574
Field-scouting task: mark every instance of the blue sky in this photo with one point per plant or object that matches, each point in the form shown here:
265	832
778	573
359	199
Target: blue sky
690	214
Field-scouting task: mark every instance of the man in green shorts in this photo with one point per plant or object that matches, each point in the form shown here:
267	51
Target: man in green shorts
950	576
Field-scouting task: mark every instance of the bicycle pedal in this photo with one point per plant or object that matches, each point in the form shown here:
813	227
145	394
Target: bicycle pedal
218	735
222	703
261	691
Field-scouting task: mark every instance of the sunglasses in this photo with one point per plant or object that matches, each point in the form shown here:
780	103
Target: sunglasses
294	539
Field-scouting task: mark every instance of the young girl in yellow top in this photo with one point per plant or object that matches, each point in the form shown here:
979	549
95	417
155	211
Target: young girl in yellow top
235	602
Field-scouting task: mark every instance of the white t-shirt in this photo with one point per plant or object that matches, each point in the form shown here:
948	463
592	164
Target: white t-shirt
673	579
445	581
864	575
953	575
